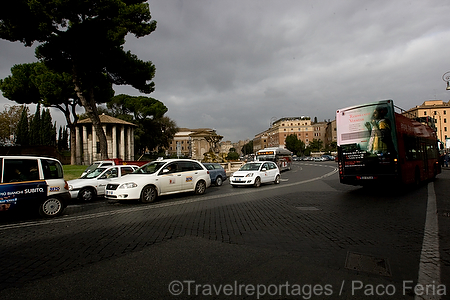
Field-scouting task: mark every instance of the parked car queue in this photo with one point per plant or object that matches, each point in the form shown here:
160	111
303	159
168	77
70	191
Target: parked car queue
120	182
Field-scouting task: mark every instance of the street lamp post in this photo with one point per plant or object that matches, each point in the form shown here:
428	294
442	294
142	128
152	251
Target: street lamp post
446	78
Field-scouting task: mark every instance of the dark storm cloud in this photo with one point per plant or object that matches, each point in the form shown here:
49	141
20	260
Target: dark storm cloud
235	65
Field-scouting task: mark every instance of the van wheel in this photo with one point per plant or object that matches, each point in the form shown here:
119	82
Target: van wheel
200	188
219	181
148	194
51	207
86	194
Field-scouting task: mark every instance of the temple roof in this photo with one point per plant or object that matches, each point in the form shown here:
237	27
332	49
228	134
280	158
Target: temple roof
105	119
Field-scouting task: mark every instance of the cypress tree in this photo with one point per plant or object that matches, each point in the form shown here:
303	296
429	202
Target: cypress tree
35	127
22	136
48	133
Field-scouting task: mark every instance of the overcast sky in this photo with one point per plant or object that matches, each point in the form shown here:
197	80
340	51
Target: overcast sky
236	65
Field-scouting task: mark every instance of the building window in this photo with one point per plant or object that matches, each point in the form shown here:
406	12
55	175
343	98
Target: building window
445	112
424	113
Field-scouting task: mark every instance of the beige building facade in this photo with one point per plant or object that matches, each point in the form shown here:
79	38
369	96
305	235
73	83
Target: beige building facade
190	143
439	111
302	127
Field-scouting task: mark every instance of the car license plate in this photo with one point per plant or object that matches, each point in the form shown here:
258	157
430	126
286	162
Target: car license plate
109	193
366	177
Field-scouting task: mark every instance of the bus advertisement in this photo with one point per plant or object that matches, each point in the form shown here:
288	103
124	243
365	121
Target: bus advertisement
282	157
375	143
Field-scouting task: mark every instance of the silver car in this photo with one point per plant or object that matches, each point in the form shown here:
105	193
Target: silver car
93	184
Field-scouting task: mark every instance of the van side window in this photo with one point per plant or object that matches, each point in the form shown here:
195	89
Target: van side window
51	169
17	170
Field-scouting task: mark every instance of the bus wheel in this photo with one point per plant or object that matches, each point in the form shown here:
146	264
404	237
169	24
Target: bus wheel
257	182
277	179
51	207
417	177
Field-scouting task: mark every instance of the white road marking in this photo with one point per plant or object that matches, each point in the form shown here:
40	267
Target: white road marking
429	266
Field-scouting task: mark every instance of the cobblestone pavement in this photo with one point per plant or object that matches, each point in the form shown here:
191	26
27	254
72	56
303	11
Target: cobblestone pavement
341	239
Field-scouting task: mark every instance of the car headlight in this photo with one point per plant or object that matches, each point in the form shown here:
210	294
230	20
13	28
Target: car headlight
70	187
128	185
249	175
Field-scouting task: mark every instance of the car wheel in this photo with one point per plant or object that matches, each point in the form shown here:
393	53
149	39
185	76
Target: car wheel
51	207
148	194
86	194
200	188
257	182
219	181
277	179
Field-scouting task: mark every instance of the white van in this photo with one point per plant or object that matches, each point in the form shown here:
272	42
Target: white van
33	182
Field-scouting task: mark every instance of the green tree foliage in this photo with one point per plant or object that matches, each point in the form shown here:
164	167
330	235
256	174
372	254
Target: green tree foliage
316	145
35	83
23	135
35	127
41	130
247	148
154	129
232	154
9	119
63	138
295	145
84	39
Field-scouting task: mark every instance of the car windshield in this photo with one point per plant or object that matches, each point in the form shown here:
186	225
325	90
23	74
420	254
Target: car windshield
94	174
250	167
92	167
150	168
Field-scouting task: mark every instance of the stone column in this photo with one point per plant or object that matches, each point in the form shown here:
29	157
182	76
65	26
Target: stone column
94	144
114	141
122	143
79	146
108	141
86	149
131	143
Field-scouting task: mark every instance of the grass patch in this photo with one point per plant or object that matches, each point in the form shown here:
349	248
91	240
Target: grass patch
73	172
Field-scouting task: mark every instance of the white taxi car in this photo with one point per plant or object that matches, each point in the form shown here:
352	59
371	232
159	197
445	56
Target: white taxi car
93	184
256	172
161	177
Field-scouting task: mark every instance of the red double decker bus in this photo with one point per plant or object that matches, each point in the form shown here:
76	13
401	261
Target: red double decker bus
376	144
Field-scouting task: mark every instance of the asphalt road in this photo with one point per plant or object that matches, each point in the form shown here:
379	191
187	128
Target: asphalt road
307	238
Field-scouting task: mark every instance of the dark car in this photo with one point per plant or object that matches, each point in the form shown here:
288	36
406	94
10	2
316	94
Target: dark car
216	172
